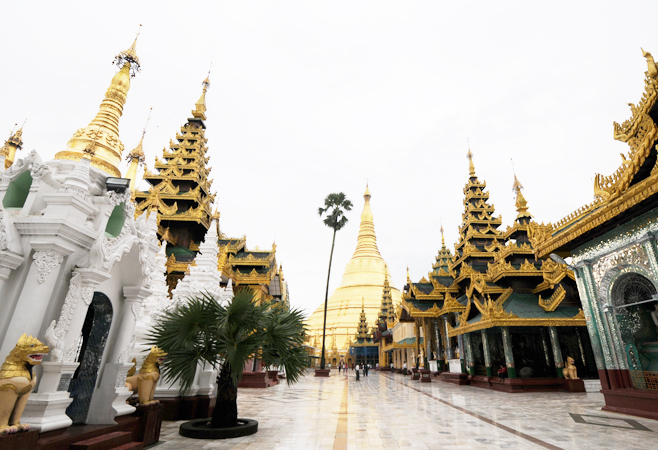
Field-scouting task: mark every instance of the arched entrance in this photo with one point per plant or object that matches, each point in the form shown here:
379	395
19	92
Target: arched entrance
634	300
94	336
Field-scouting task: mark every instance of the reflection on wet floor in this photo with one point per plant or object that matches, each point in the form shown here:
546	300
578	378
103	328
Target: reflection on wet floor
391	411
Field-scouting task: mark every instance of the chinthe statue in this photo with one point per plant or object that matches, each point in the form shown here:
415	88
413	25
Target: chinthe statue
17	381
570	372
144	383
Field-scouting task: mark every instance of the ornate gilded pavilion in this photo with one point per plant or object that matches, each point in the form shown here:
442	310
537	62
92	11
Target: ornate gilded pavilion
499	305
613	244
181	193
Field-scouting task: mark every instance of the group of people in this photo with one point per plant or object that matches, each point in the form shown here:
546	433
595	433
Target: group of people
357	368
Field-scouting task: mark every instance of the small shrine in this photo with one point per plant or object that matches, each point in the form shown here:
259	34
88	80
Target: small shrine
363	350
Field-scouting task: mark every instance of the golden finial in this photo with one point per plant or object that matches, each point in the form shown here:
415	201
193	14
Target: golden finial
471	167
138	152
215	214
200	106
12	145
408	277
129	56
443	240
363	307
367	195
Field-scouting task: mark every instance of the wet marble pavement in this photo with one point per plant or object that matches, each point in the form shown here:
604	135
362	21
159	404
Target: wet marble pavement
390	411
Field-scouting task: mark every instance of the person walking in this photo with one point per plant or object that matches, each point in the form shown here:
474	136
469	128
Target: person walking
357	372
340	367
366	369
391	367
404	368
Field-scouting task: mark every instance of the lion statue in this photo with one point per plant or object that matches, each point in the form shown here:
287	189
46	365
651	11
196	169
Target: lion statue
17	381
570	372
144	382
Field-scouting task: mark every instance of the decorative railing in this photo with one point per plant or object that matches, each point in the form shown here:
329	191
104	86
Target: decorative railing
645	380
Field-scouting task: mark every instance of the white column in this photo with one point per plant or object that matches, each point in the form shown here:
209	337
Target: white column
33	302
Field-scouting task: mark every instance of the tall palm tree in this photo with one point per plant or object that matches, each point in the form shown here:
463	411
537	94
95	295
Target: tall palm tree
335	206
225	337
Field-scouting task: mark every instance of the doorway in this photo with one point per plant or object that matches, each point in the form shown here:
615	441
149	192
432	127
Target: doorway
94	337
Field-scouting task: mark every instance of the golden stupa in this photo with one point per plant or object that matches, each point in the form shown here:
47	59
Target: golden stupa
362	284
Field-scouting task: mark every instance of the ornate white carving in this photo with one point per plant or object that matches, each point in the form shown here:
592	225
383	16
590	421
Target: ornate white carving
58	328
3	231
46	261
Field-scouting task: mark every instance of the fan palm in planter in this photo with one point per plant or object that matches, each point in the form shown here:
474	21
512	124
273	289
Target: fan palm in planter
225	337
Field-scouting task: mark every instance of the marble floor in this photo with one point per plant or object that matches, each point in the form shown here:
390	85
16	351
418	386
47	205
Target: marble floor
390	411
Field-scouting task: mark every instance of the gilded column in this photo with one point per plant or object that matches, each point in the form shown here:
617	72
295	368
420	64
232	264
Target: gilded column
487	352
417	332
437	343
544	344
468	356
509	356
449	353
557	353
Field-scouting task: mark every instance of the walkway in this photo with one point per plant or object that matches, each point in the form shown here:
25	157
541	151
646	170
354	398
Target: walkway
389	411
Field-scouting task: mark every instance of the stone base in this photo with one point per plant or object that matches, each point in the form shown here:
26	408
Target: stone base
27	440
322	372
63	439
574	385
416	374
151	423
514	385
635	402
425	376
455	378
273	375
187	408
255	380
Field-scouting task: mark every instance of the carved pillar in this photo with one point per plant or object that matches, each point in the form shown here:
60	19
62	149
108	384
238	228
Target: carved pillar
427	341
487	352
557	353
437	343
544	344
509	356
417	362
449	352
586	299
602	324
468	347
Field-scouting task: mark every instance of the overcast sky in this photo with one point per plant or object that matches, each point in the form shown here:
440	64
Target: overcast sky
309	98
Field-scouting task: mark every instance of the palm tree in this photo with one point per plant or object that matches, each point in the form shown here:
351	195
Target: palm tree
335	220
225	337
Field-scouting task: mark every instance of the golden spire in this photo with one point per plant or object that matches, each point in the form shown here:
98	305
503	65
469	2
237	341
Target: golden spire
136	158
408	277
471	167
103	132
521	203
443	240
367	241
11	146
200	107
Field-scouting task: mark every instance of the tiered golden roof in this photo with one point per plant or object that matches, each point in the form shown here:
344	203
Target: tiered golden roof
180	189
489	269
